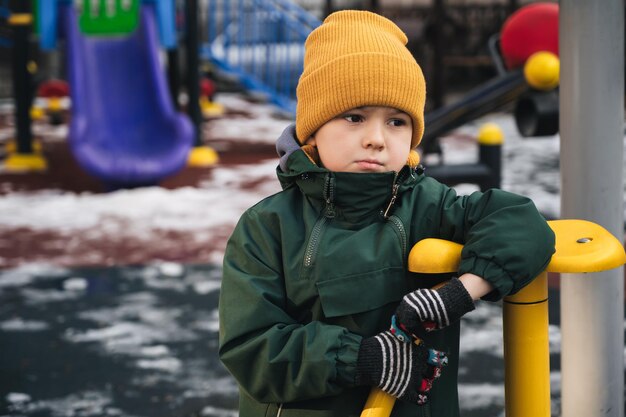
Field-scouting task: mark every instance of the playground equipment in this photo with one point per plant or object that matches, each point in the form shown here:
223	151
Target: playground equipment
200	156
581	247
482	100
528	77
537	111
592	187
124	128
22	154
261	43
209	107
53	91
532	28
541	70
486	173
530	40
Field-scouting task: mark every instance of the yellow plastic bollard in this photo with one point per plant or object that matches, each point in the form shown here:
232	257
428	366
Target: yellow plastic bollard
18	162
581	246
202	157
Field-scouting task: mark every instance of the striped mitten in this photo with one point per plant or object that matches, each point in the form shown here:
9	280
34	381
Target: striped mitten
403	370
425	310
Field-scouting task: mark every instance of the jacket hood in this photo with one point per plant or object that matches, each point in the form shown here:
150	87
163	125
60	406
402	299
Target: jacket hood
349	195
286	145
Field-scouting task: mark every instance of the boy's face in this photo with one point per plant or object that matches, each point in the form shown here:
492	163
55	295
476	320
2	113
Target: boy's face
365	139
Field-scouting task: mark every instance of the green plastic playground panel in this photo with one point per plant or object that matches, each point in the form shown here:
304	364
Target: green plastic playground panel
108	17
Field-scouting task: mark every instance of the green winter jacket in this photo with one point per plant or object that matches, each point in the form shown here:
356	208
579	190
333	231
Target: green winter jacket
313	269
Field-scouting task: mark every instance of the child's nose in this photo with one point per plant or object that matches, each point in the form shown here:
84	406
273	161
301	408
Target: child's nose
375	136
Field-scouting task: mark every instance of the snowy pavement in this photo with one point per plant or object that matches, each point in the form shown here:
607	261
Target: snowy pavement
141	339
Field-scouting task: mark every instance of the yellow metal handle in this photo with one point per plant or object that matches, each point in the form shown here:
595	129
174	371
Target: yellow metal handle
378	404
581	246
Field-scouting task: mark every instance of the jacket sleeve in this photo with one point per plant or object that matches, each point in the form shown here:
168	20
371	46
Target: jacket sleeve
506	240
272	356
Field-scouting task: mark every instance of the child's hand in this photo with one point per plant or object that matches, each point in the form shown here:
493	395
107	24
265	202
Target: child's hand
403	370
425	310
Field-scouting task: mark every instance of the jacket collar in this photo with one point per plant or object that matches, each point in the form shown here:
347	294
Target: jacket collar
344	195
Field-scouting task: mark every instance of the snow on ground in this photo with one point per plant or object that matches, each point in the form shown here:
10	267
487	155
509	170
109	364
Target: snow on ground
115	341
140	217
137	212
257	123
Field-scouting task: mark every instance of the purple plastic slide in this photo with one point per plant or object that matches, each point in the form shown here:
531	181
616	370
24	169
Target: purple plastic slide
124	127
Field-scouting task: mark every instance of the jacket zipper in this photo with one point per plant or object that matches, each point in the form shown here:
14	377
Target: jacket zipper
316	234
394	195
393	219
318	228
397	223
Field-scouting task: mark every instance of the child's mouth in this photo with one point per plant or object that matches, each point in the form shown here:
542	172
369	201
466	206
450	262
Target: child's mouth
369	165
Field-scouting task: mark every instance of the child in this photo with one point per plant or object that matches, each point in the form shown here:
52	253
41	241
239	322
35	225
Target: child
314	274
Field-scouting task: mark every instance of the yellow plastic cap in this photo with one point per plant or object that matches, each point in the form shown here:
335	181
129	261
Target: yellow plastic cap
211	108
490	134
36	113
202	156
54	104
542	70
20	19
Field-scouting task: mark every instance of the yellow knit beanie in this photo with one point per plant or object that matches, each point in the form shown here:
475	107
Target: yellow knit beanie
354	59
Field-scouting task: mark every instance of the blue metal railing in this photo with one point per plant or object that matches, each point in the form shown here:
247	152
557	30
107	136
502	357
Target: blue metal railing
261	42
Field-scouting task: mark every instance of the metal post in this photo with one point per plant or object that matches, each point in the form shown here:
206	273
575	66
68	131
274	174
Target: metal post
21	22
592	134
490	155
328	7
193	76
173	75
374	6
438	66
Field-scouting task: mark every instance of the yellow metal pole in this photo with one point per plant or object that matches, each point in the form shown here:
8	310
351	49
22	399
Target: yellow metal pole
378	404
526	351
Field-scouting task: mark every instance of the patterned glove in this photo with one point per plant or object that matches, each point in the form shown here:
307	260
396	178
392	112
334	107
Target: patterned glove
403	370
425	310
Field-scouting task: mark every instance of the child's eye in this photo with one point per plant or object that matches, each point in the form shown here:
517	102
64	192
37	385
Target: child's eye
398	122
353	118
